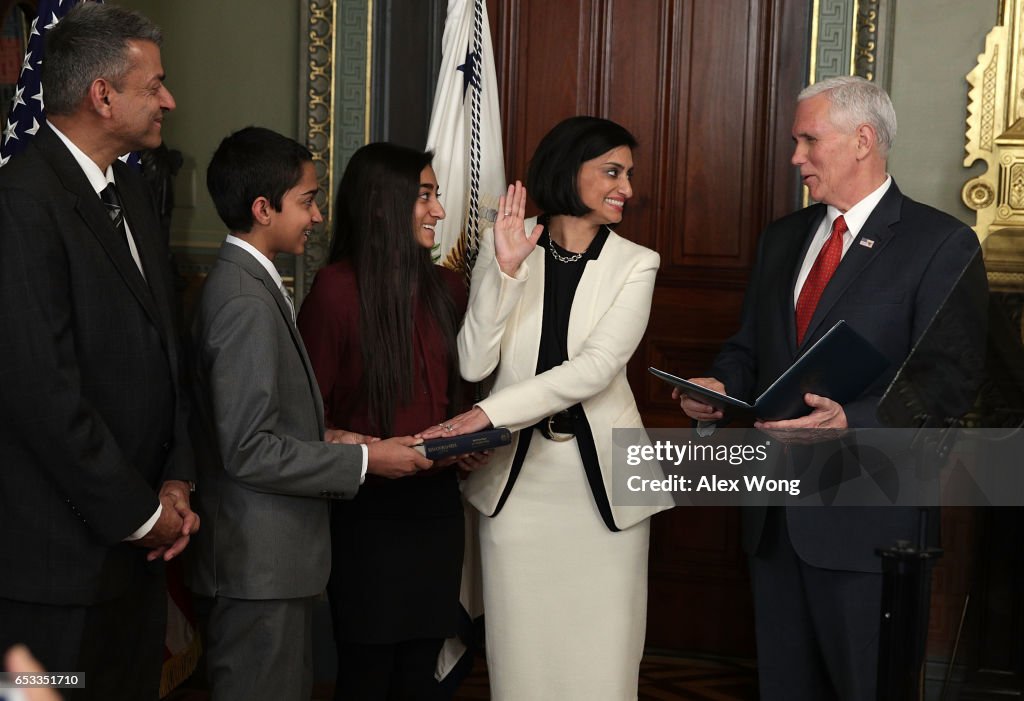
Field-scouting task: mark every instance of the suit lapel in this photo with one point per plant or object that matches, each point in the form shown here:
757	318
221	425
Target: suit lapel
878	229
592	282
314	386
244	259
94	214
145	229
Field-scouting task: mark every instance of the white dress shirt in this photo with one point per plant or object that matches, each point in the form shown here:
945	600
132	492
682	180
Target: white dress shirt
99	181
855	217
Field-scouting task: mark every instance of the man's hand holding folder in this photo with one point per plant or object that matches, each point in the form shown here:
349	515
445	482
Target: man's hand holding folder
826	415
696	406
825	419
802	402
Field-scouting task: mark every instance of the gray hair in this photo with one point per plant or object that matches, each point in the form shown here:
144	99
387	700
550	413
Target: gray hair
90	42
854	101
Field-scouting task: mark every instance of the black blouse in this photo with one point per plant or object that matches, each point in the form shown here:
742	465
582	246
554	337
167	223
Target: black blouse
561	280
560	283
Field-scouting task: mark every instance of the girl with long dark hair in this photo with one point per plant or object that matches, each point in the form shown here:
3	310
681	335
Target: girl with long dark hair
380	324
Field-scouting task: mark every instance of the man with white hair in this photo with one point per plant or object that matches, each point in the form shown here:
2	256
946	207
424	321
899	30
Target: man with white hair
885	263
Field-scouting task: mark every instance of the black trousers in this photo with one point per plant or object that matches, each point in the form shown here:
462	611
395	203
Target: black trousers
401	671
817	629
117	645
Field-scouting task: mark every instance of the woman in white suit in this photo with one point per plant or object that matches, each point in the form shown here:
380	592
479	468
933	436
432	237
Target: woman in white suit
554	316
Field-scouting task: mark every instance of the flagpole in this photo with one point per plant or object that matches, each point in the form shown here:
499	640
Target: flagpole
465	134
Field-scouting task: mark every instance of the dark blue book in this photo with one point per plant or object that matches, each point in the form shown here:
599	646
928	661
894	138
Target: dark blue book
840	365
437	448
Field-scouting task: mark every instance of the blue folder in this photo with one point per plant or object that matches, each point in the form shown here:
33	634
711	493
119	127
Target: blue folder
840	365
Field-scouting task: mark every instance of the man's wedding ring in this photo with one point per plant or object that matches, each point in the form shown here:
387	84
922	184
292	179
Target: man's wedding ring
447	427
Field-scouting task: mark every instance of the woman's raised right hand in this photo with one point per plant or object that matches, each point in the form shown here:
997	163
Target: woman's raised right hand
512	245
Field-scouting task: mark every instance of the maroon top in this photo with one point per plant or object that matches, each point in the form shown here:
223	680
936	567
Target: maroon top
400	533
329	323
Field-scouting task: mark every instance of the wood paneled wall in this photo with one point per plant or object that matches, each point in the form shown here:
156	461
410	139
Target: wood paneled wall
708	88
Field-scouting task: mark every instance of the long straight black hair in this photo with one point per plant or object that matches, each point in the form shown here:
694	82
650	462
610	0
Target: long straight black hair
374	230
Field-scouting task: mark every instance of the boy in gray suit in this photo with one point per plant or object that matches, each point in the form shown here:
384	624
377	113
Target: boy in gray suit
264	498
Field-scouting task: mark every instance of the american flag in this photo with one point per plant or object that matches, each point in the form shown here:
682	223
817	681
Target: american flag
28	112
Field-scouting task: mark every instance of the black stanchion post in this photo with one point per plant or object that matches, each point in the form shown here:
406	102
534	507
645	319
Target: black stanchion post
906	599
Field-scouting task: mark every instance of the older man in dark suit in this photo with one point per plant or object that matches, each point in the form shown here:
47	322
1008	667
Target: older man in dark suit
884	263
95	460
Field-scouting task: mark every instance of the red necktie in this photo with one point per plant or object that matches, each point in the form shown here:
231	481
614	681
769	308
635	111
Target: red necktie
821	272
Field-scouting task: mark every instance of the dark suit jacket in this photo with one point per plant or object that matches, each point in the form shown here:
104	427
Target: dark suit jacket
91	416
888	293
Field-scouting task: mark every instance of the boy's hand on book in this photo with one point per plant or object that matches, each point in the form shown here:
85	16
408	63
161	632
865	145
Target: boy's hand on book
337	435
695	408
395	457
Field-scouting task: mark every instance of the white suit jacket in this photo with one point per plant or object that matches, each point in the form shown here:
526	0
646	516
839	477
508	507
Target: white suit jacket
501	336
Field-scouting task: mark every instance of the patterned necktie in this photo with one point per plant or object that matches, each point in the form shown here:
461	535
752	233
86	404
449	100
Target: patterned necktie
821	272
288	299
112	199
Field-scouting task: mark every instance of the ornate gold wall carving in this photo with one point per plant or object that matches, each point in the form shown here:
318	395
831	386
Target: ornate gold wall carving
865	49
995	138
995	127
320	18
334	106
832	32
851	37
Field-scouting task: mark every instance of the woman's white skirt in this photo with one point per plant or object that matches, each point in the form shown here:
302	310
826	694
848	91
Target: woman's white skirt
565	599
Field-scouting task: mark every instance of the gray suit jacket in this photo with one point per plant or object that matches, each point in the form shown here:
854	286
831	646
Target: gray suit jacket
265	475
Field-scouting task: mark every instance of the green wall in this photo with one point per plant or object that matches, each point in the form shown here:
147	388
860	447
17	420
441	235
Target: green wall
229	64
936	44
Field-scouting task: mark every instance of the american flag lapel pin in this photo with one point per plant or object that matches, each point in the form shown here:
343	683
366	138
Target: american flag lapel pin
867	243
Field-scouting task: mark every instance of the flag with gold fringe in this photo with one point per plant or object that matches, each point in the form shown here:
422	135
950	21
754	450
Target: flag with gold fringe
465	135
